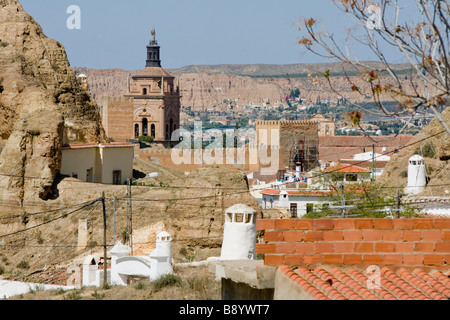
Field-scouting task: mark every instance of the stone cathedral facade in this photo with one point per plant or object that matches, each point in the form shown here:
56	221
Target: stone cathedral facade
150	108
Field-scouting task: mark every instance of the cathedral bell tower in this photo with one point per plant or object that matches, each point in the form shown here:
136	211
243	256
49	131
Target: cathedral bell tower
156	99
153	58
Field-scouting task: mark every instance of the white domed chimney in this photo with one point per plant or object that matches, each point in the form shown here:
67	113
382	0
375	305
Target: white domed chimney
239	235
163	245
416	175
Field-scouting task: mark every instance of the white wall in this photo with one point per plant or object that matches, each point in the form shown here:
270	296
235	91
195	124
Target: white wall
78	161
301	202
103	161
115	158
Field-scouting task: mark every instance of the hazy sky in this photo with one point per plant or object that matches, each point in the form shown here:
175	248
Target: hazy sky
114	33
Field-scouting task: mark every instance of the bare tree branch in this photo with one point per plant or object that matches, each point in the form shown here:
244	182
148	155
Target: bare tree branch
424	44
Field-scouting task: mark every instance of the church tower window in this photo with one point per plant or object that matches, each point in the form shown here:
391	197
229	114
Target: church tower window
144	126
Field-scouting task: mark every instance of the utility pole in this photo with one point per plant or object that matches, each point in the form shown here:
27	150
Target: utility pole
373	162
342	200
130	216
105	275
397	200
114	215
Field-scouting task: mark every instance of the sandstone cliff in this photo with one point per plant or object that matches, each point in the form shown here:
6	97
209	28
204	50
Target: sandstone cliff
203	87
42	106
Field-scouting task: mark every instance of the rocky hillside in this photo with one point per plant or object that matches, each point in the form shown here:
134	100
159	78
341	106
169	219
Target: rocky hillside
42	105
434	145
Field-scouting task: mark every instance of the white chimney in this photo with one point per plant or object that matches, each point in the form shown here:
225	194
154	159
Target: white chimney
239	235
416	175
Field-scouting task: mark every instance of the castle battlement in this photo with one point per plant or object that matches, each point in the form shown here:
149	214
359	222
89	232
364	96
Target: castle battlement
116	99
262	122
286	123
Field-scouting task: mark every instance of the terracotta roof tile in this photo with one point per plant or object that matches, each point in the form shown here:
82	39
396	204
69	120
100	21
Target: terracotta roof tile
345	167
353	284
334	148
95	145
433	282
295	192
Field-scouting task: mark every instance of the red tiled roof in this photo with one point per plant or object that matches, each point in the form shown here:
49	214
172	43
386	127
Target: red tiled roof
334	148
93	145
152	72
362	141
368	163
345	167
294	192
353	284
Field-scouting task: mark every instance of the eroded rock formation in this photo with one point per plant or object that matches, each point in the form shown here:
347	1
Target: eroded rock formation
42	106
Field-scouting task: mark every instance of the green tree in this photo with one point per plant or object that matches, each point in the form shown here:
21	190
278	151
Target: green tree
362	200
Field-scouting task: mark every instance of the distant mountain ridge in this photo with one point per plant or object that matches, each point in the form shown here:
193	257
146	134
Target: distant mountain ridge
273	69
205	86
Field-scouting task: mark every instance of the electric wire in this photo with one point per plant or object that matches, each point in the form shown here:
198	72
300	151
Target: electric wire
49	221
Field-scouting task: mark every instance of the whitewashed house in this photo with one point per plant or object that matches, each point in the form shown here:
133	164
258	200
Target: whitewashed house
109	163
297	202
152	267
341	173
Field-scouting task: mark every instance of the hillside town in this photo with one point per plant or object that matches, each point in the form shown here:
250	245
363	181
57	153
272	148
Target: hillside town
286	195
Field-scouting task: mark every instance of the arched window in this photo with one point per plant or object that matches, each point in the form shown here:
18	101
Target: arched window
136	131
144	127
153	130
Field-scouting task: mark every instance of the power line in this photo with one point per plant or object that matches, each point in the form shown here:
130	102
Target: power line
323	173
182	199
44	212
69	234
360	162
49	221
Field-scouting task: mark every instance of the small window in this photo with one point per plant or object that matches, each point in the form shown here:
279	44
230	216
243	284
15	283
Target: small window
293	210
144	91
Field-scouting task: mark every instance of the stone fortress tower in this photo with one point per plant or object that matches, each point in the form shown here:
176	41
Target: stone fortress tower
151	107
